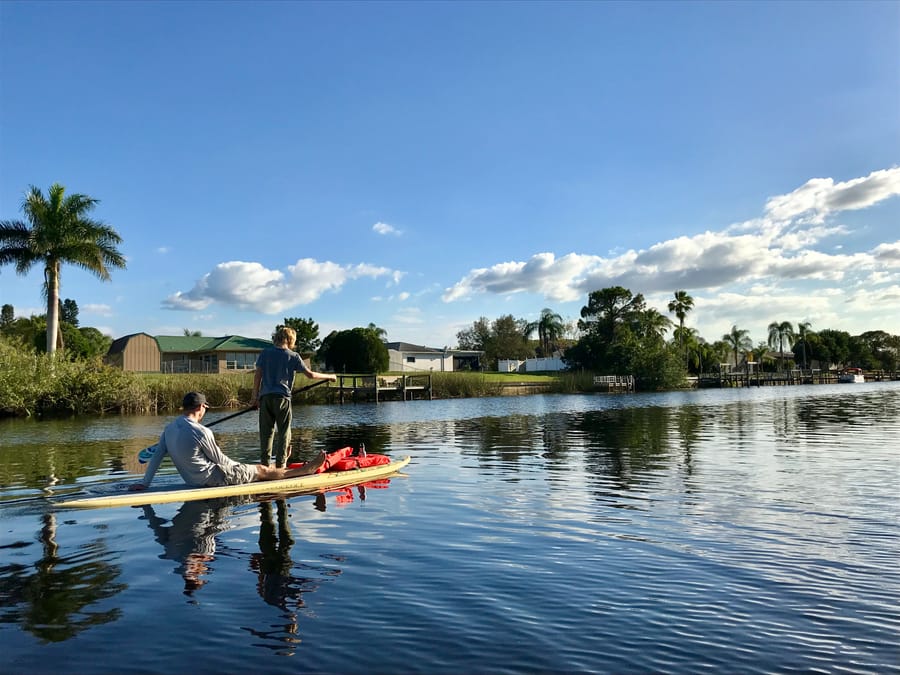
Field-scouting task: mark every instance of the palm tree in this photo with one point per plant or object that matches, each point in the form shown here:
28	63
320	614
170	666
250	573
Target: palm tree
58	232
652	323
550	327
779	333
680	306
804	329
737	340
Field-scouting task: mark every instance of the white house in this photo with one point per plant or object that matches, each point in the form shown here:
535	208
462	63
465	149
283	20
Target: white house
408	358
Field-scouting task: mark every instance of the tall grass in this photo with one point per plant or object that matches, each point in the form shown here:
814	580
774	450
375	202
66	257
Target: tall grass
40	384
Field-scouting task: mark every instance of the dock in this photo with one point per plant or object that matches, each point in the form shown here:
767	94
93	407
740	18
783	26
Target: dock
786	378
377	388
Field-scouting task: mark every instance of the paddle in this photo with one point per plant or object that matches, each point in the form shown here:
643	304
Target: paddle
145	454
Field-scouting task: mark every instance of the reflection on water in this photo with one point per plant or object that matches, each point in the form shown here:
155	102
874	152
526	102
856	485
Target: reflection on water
51	599
734	531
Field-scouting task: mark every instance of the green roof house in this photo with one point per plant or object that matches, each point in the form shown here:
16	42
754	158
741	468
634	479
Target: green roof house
140	352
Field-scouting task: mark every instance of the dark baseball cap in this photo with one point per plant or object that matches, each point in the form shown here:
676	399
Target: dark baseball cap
193	400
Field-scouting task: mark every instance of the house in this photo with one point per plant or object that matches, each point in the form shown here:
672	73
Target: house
405	358
141	352
539	365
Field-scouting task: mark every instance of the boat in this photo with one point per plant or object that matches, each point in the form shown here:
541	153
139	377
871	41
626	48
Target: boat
851	375
312	483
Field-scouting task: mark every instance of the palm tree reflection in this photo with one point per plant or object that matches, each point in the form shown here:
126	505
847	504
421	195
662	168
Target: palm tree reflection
52	602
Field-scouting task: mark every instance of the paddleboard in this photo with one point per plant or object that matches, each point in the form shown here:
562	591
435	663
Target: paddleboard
317	481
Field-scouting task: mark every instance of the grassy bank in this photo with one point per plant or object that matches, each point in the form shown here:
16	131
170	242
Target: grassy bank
36	385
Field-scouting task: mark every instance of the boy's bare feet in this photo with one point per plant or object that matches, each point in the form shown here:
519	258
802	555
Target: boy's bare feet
308	468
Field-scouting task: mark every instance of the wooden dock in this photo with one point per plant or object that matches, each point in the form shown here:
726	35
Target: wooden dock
377	388
786	378
614	383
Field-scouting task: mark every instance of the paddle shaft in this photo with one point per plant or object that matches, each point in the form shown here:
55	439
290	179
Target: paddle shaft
146	452
241	412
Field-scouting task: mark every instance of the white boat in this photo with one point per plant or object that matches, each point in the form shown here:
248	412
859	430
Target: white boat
851	375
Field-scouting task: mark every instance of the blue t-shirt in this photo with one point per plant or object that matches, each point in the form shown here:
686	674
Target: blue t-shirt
278	366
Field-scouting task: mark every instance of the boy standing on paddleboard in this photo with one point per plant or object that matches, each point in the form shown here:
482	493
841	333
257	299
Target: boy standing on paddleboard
272	385
200	460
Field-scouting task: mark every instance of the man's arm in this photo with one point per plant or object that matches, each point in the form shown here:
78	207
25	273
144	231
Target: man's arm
257	382
152	465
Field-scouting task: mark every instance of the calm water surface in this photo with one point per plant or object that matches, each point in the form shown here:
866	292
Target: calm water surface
750	531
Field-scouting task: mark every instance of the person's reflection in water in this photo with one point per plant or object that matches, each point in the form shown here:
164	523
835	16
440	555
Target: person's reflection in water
190	538
273	565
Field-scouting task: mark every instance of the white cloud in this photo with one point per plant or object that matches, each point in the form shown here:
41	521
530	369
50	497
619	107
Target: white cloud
162	250
887	252
385	229
250	285
820	197
762	251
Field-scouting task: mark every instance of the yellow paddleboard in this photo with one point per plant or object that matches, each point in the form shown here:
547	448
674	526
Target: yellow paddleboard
317	481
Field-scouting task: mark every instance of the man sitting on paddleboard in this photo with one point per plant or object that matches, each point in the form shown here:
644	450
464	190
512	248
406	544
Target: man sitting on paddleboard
200	460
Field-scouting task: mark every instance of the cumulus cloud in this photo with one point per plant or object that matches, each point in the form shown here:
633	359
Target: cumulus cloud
887	252
384	229
820	197
776	246
250	285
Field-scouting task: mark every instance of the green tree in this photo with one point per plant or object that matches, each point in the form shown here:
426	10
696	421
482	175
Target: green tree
7	316
550	328
738	340
93	342
507	340
476	337
883	347
192	333
68	312
58	231
380	333
358	350
832	348
804	329
680	307
781	334
307	334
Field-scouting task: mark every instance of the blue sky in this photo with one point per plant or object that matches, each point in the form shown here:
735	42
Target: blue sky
419	165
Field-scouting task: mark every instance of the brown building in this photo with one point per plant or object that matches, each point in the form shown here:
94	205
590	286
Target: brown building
185	354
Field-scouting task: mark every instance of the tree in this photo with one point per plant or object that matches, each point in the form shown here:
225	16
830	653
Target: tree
93	343
738	340
779	333
59	231
69	312
358	350
804	329
476	337
507	340
380	333
307	334
192	333
550	328
680	306
7	316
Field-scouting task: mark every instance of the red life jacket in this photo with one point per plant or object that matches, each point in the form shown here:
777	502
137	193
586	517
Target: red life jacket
340	460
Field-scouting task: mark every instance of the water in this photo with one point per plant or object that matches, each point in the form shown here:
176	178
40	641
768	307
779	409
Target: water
751	531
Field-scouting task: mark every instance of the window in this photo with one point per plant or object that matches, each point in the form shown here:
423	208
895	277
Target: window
240	360
410	359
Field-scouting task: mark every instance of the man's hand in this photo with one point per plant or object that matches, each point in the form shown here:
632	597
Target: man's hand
137	487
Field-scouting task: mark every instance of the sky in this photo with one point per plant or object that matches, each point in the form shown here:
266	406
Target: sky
419	165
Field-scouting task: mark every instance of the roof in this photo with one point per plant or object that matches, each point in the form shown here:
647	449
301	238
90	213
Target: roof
119	344
407	347
190	343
